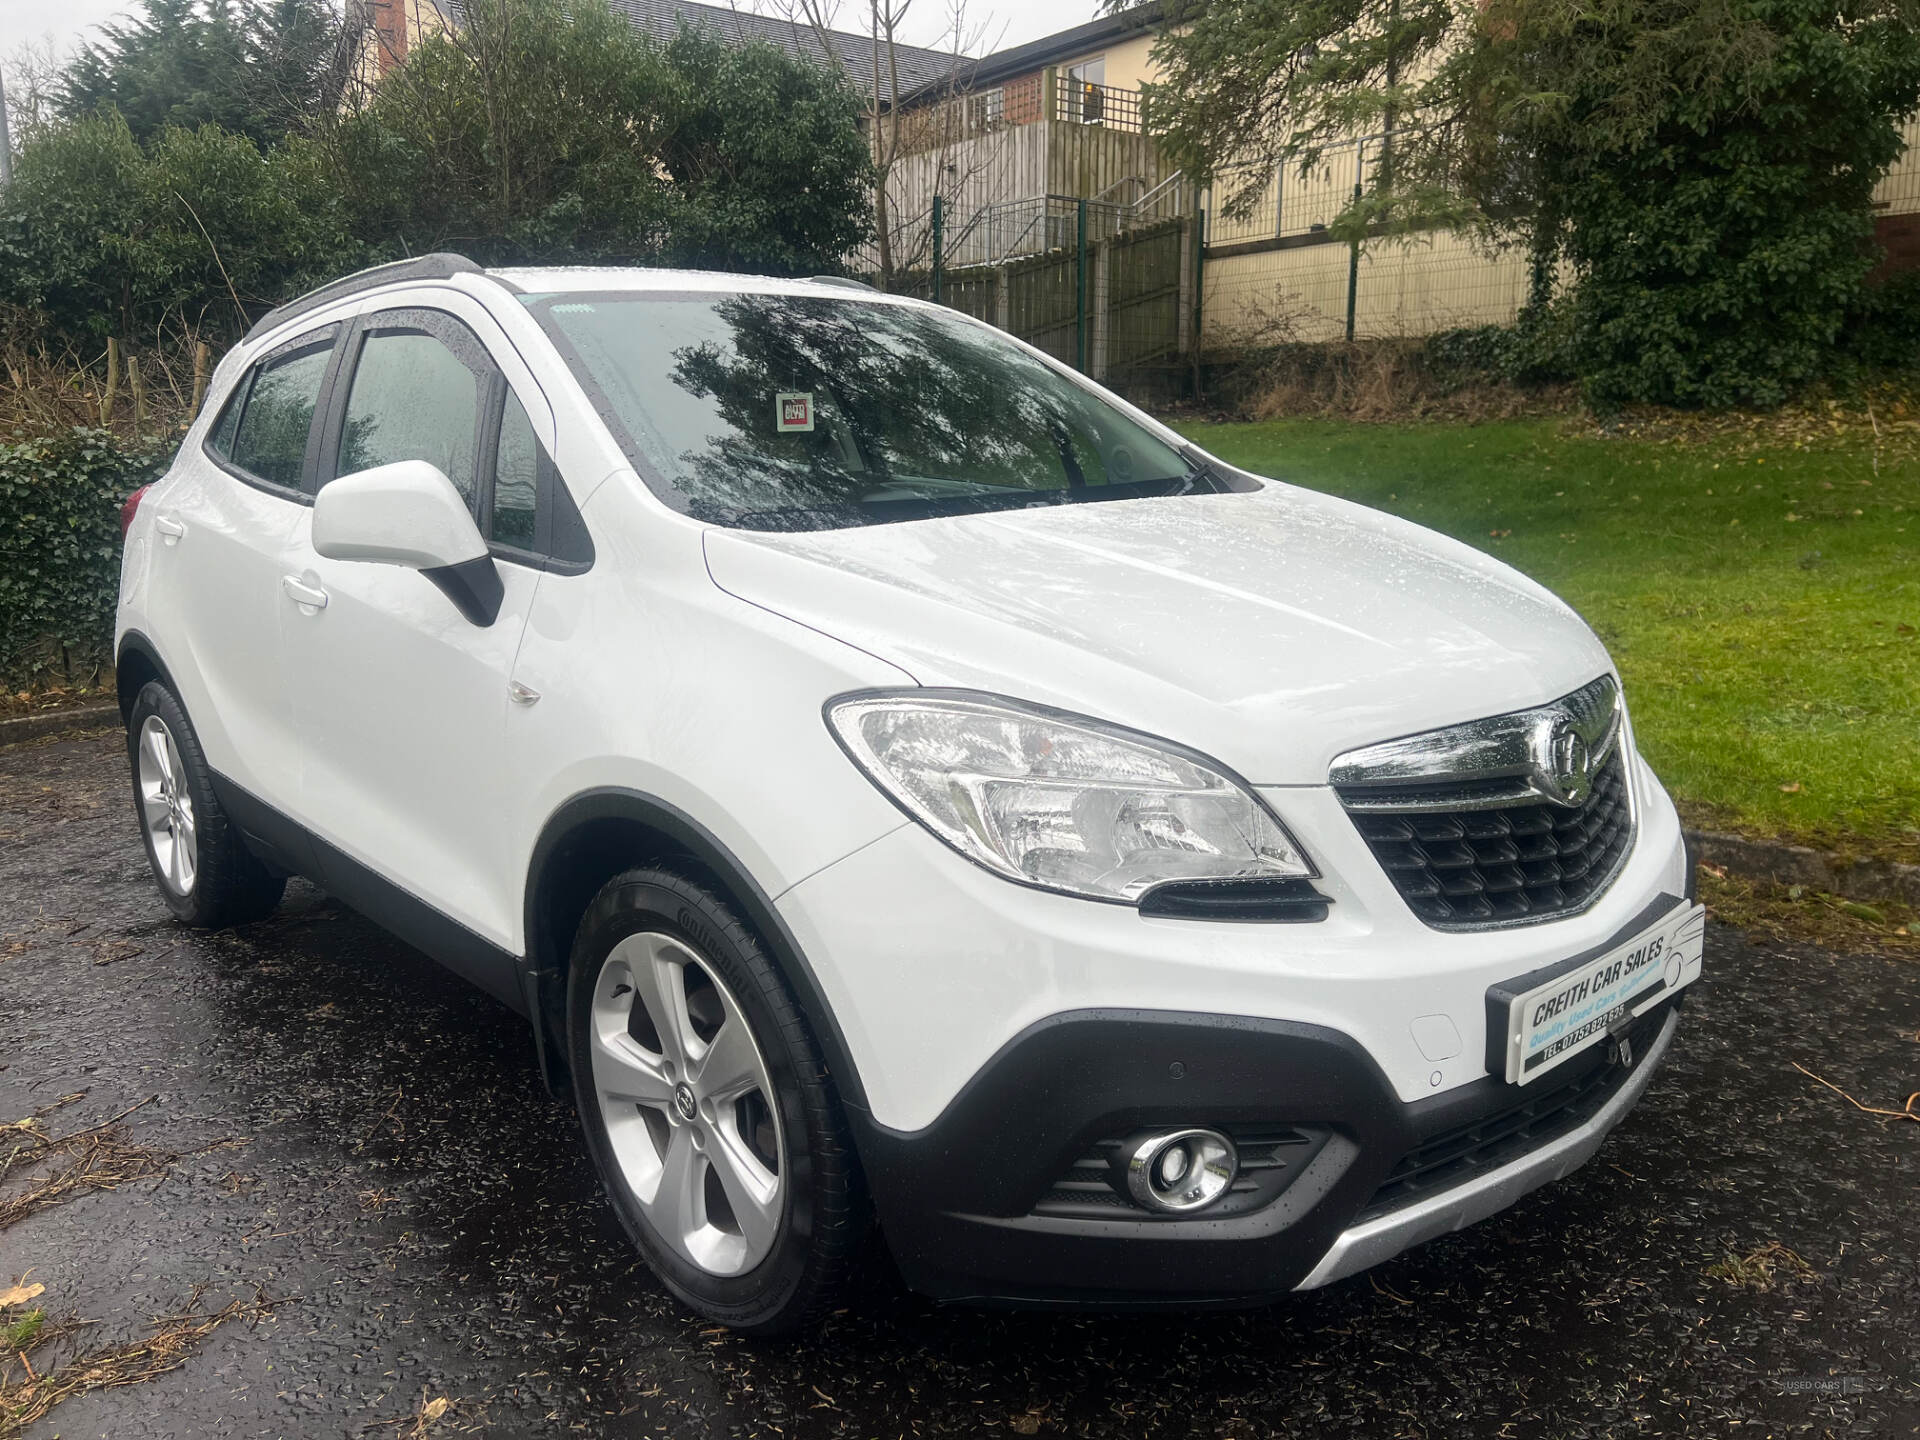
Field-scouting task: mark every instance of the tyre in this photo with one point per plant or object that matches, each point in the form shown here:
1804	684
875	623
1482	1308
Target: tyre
206	874
706	1107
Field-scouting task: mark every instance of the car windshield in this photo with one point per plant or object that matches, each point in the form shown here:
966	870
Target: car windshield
799	412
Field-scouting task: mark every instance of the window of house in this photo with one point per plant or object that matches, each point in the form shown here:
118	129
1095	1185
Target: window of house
1086	94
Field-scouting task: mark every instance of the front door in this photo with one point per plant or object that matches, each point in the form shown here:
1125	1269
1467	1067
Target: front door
400	699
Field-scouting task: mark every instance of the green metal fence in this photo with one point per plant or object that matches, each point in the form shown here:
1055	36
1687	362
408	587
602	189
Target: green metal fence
1143	299
1118	304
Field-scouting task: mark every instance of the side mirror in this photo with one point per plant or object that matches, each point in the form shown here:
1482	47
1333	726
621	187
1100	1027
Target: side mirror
409	514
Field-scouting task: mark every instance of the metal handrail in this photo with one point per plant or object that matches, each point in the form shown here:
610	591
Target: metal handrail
1039	217
958	238
1101	198
1155	193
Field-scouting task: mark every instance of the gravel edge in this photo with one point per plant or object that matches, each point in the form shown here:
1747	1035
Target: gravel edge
1856	879
57	722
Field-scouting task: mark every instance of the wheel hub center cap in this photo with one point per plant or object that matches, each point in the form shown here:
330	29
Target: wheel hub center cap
684	1102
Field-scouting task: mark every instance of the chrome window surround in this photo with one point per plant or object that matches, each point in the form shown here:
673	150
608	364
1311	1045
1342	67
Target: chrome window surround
1550	752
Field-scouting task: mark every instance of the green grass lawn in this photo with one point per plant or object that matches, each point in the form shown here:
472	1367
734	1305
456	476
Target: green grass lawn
1762	601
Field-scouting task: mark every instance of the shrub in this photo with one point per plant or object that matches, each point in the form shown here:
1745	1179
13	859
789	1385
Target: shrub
1720	241
1534	350
100	236
1885	333
552	132
60	502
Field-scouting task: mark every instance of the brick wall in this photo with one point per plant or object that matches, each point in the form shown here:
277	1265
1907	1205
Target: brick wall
388	19
1899	236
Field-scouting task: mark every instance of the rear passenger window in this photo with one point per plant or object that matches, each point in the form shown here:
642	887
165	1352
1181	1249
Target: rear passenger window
412	399
268	439
516	480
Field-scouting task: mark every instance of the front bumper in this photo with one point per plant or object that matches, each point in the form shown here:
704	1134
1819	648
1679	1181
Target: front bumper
964	1204
1369	1241
1002	1035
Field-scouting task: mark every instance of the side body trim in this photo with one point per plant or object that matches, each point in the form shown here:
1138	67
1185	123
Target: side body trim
284	842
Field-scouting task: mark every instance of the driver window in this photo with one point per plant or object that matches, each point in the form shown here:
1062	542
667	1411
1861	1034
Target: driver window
412	399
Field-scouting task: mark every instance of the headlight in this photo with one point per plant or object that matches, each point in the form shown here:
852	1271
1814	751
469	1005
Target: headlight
1061	802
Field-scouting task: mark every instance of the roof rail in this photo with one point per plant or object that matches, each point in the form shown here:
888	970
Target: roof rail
840	280
422	267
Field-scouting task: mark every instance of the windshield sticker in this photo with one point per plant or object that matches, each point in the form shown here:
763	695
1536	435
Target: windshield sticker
794	409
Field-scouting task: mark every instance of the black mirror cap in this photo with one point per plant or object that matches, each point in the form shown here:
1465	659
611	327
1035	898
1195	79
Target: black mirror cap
474	586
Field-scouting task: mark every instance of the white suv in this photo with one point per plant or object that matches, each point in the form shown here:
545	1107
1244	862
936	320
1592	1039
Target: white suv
900	779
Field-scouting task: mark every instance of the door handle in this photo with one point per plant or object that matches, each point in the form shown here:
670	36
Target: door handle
170	529
303	593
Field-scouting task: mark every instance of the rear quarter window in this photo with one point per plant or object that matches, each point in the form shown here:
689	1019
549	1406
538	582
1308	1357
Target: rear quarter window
220	438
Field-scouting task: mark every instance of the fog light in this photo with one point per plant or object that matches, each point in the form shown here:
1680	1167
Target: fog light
1177	1172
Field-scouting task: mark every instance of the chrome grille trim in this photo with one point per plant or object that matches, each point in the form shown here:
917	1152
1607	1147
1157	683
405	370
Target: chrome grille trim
1481	764
1533	821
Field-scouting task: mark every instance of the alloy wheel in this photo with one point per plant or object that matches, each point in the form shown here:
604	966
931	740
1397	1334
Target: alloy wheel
688	1104
166	807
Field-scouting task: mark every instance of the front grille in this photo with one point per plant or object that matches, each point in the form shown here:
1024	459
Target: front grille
1468	868
1545	1111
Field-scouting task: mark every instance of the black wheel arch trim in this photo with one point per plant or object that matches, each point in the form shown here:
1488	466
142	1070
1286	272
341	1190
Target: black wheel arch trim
135	642
547	955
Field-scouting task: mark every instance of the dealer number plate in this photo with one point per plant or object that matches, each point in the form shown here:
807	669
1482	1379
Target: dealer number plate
1554	1022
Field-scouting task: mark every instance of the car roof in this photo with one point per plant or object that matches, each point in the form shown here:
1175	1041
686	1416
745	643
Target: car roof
557	279
573	279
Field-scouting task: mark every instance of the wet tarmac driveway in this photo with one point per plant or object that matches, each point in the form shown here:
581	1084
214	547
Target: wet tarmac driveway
396	1175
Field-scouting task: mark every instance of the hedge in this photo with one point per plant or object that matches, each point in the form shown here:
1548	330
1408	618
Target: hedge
60	500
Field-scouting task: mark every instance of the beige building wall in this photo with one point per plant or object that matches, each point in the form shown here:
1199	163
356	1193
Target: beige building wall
1403	288
1899	192
1128	62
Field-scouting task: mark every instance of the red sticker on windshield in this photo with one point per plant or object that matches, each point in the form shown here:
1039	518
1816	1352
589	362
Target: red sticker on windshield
794	409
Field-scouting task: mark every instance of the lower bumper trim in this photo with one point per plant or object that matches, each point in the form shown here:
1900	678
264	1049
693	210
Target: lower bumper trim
1373	1241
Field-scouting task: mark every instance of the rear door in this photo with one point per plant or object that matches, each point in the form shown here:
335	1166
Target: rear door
400	700
220	527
